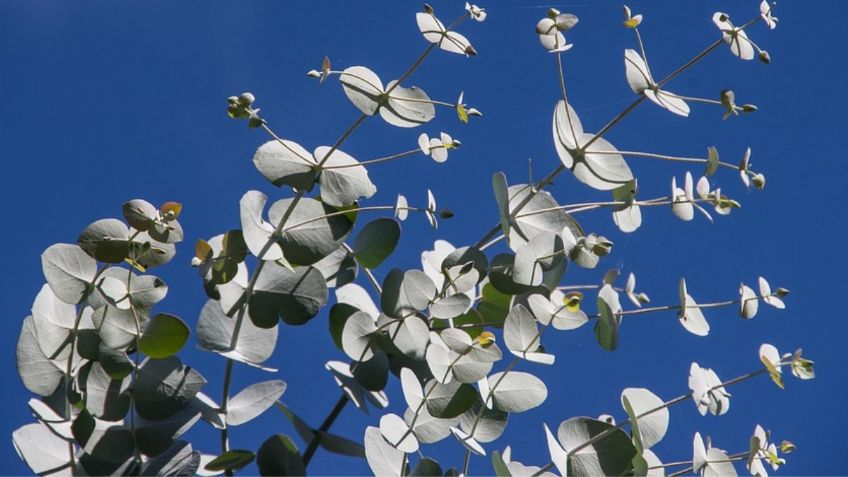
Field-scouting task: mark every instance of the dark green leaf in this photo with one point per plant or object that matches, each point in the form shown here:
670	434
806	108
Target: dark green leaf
376	241
279	456
231	460
164	336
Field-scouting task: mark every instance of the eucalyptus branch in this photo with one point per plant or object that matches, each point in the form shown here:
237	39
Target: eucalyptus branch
325	426
684	397
376	161
732	458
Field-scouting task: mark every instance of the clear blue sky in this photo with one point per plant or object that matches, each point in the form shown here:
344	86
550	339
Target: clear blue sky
109	101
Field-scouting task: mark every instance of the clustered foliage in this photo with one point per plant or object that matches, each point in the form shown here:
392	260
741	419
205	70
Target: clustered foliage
114	398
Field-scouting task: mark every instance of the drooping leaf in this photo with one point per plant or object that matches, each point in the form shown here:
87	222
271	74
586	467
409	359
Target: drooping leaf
382	457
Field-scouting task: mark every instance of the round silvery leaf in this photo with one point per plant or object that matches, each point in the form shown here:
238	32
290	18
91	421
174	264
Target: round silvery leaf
286	162
412	391
215	330
363	88
356	296
438	358
541	253
467	441
609	456
147	252
343	181
118	328
38	373
411	336
401	208
535	217
464	255
42	450
652	428
397	433
690	314
707	392
517	391
179	459
53	320
139	213
383	459
115	292
749	303
554	311
638	76
106	240
295	296
521	335
356	336
435	32
253	400
308	235
106	398
69	271
231	294
257	232
628	218
407	291
407	107
376	241
50	418
768	297
490	426
669	101
449	400
600	166
450	307
428	429
338	268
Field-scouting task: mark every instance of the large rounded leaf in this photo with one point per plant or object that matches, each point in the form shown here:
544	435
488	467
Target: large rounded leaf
408	291
38	373
611	455
538	215
286	162
164	336
252	346
652	428
308	235
44	452
343	180
256	230
382	457
376	241
363	87
517	391
69	271
295	295
253	401
407	107
106	240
